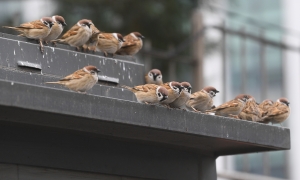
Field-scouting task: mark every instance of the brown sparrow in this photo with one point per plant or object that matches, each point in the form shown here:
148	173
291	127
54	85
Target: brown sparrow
109	43
38	29
184	96
251	111
231	108
154	77
202	100
133	43
174	89
78	35
91	44
57	28
149	93
264	106
81	80
278	112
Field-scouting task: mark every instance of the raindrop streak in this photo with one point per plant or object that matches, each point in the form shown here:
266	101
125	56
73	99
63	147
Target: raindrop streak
76	54
123	66
12	83
19	43
14	52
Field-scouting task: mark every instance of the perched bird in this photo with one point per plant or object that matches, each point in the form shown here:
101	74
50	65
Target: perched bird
149	93
109	43
264	106
91	44
183	97
154	77
81	80
231	108
38	29
202	100
57	28
278	112
133	43
174	89
78	35
251	111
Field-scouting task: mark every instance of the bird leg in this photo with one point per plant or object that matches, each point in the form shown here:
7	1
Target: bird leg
234	116
195	109
41	46
105	53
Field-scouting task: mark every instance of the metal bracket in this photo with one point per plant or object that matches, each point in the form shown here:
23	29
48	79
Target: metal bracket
108	79
29	64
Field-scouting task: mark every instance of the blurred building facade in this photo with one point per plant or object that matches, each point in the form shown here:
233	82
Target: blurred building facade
234	63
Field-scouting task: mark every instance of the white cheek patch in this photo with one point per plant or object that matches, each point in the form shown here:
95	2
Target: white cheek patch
116	36
133	35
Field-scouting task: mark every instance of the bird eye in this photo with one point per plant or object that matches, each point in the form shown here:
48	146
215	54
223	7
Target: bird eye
150	74
159	94
93	72
159	77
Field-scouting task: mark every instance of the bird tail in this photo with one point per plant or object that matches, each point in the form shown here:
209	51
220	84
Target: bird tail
129	88
57	82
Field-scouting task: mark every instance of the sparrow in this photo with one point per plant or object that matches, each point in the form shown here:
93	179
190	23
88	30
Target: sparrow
78	35
202	100
174	89
91	44
57	28
149	93
38	29
251	111
154	76
278	112
183	97
81	80
264	106
133	43
231	108
109	43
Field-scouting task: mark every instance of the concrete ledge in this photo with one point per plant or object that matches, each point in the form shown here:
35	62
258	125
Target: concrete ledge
132	121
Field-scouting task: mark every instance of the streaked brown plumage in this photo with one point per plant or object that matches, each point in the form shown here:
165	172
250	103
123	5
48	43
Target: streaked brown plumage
78	35
38	29
183	97
231	108
133	43
57	28
251	111
81	80
202	100
278	112
109	43
91	44
174	88
149	93
264	106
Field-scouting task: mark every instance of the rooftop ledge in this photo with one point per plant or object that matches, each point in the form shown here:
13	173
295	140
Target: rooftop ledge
129	120
109	111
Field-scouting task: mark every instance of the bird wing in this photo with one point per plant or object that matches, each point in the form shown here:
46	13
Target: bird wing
33	25
73	31
226	105
76	75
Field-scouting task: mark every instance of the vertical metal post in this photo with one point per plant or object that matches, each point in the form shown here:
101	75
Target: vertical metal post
263	69
172	67
197	50
147	59
224	64
243	60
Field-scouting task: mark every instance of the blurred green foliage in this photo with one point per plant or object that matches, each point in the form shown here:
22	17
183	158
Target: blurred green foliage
164	22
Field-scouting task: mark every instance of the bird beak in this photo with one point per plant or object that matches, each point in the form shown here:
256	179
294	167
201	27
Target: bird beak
98	70
217	91
64	24
143	37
